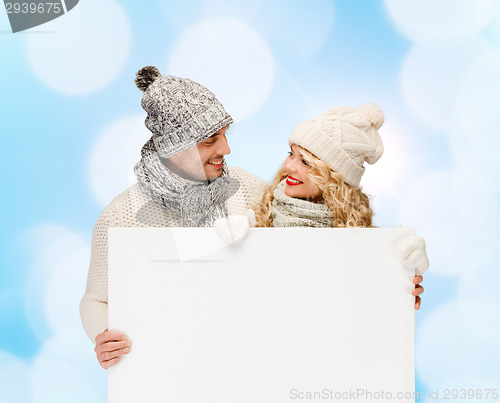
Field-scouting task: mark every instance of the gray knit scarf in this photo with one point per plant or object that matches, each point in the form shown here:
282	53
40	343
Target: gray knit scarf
292	212
199	203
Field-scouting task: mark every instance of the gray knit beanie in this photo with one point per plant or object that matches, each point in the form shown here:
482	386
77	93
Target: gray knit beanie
181	112
343	137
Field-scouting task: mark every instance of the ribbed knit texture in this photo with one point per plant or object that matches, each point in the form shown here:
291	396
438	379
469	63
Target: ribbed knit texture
344	138
292	212
132	208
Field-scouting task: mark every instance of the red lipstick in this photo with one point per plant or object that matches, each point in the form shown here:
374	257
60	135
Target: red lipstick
290	179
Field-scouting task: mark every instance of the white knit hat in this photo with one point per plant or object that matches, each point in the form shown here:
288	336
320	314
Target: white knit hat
343	137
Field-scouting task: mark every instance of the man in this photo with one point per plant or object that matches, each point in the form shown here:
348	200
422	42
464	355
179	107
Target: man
182	181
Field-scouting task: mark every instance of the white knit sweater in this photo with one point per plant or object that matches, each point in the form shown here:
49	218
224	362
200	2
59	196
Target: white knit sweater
134	209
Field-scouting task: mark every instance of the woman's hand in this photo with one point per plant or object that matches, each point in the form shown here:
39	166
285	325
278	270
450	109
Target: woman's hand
417	291
109	346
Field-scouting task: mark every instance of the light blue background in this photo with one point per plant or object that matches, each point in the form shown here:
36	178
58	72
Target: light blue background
72	129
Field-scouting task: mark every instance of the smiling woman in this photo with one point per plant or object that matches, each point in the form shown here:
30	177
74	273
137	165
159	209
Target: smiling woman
316	195
319	183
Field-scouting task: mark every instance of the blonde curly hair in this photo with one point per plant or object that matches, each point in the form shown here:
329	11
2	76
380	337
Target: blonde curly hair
350	206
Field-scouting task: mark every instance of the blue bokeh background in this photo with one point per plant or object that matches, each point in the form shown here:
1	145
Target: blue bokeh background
72	128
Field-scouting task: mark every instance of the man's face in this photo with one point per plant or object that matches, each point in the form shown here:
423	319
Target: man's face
203	161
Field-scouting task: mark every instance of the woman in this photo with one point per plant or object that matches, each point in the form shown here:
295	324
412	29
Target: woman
318	185
307	192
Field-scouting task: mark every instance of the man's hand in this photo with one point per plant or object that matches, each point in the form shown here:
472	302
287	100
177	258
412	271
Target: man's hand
417	291
109	346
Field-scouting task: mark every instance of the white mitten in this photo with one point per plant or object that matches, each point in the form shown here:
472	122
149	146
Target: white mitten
233	229
251	218
414	254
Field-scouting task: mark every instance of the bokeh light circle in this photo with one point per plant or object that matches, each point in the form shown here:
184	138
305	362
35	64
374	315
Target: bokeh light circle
231	59
86	49
429	20
113	156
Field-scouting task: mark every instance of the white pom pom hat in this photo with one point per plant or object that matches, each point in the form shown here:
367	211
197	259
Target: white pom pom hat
344	138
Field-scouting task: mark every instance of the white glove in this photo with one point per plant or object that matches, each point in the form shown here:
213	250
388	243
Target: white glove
251	218
235	228
414	254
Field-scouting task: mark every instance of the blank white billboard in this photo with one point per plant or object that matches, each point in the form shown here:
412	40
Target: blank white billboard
288	314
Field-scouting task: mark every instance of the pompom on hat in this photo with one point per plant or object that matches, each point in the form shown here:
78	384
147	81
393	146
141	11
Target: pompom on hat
181	112
146	76
344	138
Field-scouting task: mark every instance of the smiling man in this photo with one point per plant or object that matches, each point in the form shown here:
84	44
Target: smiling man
182	181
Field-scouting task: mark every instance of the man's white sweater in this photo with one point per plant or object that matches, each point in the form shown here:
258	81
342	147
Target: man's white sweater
134	209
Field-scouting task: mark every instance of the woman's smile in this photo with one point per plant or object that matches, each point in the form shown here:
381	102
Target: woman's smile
291	181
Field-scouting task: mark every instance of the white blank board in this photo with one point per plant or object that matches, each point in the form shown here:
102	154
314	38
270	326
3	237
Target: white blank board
285	314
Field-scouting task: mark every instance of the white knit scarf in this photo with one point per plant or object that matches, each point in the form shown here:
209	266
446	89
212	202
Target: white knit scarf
200	203
291	212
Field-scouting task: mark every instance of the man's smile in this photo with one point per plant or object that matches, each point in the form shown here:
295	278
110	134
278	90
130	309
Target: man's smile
217	163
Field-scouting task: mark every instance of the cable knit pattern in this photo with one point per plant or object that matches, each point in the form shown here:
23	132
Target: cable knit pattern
132	208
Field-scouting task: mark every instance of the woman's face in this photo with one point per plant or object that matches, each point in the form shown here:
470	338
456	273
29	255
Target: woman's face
298	185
